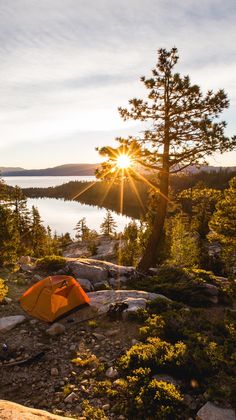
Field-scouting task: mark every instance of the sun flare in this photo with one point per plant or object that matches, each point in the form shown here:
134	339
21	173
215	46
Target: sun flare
123	162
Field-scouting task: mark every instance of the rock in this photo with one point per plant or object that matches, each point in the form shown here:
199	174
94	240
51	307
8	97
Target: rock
13	411
70	398
211	412
134	304
26	267
134	341
111	372
111	333
9	322
212	290
101	300
116	282
25	260
37	278
99	337
56	329
87	270
73	347
106	248
54	371
103	285
85	284
106	407
7	300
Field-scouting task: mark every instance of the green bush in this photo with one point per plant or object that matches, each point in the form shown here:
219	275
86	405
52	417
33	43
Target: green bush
51	263
148	398
3	290
159	400
160	305
153	327
92	413
183	285
154	354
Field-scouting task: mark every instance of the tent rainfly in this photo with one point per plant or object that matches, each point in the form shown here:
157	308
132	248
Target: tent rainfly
53	297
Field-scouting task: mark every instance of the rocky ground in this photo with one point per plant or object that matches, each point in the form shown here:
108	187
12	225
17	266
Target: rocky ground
49	379
53	381
63	367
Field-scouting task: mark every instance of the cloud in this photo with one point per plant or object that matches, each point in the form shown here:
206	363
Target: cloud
67	66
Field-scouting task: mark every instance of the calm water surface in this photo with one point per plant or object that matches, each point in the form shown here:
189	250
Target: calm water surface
43	181
62	216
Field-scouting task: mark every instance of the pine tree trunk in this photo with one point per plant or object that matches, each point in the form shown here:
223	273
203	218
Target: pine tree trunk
155	243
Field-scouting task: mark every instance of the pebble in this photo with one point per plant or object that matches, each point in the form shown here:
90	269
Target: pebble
99	337
111	372
54	371
106	407
110	333
7	300
73	347
134	341
56	329
70	398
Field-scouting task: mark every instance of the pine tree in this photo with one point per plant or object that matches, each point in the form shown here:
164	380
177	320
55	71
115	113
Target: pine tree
108	225
18	203
3	191
38	235
131	248
9	237
82	230
184	243
223	226
181	128
200	202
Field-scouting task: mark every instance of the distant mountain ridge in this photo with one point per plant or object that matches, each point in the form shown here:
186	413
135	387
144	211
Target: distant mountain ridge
4	170
88	169
78	169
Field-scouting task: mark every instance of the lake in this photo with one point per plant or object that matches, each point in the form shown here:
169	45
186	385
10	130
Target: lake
43	181
62	216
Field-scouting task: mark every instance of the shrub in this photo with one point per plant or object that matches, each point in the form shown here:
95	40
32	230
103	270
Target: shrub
153	327
92	413
184	285
159	400
160	305
3	290
86	360
148	398
92	323
154	354
51	263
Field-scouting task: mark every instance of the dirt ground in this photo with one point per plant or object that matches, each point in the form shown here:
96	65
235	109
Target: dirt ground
46	381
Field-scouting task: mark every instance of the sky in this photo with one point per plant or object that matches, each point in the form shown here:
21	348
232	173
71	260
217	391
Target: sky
66	66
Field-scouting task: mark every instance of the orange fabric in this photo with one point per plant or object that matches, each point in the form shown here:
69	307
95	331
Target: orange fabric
52	297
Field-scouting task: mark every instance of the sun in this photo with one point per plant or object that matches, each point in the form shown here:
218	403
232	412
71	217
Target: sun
123	161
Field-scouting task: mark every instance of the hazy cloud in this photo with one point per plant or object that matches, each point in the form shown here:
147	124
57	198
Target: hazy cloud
66	66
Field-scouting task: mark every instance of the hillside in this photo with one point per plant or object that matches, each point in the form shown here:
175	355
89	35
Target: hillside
66	170
6	170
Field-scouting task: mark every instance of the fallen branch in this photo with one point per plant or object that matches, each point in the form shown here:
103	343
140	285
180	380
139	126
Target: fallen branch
29	359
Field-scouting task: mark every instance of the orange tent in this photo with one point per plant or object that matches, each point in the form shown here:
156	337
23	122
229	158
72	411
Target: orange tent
52	297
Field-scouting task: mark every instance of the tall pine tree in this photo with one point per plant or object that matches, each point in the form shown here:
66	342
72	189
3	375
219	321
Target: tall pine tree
181	128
